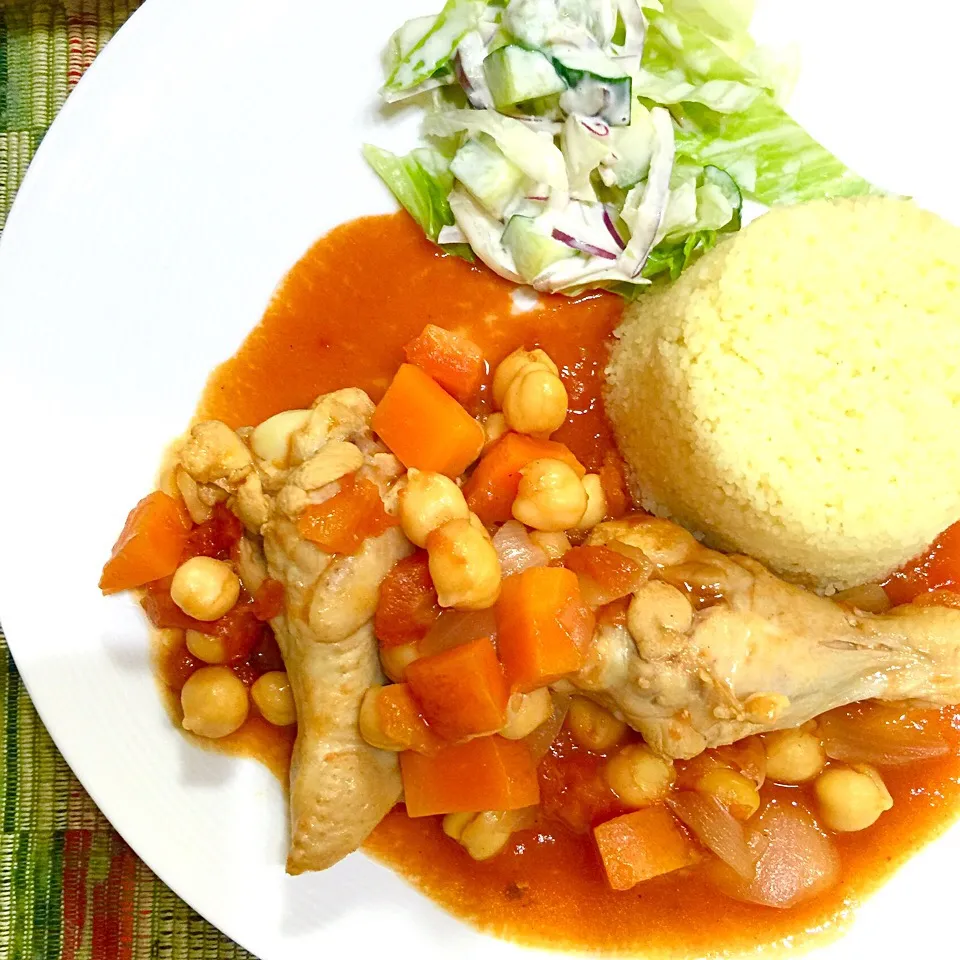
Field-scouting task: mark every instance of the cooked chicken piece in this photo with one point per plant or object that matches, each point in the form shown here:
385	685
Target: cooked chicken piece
340	787
716	648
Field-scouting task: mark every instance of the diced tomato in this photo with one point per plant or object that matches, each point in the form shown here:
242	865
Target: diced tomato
246	673
455	362
164	614
342	523
215	537
266	654
938	568
408	606
610	575
176	666
268	600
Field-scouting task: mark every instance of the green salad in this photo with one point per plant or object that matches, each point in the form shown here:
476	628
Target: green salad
578	144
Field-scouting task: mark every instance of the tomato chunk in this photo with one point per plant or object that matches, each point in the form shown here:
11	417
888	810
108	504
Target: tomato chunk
408	605
268	600
215	537
455	362
342	523
149	546
937	569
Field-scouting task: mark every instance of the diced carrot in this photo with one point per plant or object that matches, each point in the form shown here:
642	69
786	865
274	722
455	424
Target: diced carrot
614	574
614	482
542	626
402	721
641	845
149	546
462	691
455	362
424	426
938	568
268	600
487	773
215	537
342	523
408	606
492	487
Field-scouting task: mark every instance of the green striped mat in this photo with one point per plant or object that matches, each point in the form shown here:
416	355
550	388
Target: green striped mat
69	886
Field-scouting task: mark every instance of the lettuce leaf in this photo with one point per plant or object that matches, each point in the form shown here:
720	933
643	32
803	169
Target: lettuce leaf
421	181
767	152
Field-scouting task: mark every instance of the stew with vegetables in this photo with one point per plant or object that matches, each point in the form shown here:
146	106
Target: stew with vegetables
475	510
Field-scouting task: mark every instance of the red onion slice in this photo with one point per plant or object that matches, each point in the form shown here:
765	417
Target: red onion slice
597	127
587	248
609	224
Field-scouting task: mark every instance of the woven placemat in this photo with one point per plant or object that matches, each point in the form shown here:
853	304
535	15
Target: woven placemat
69	885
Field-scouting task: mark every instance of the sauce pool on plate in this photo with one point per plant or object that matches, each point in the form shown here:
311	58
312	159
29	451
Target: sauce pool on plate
340	318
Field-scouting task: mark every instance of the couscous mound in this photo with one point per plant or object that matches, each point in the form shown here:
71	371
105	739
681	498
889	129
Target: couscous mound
795	395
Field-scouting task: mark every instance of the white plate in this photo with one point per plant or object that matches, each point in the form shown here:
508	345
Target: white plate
197	160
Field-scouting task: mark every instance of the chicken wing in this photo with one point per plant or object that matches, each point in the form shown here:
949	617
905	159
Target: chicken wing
340	786
716	648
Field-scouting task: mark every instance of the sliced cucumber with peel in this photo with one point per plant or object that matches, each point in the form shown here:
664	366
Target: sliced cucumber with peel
532	250
491	178
516	74
597	86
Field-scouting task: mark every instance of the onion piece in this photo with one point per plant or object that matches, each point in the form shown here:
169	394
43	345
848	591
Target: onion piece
454	627
611	226
715	827
451	234
869	597
538	742
468	69
516	551
795	861
596	126
881	734
582	246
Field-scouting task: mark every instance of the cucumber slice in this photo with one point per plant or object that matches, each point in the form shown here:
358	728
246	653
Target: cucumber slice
598	87
532	250
490	177
633	148
515	74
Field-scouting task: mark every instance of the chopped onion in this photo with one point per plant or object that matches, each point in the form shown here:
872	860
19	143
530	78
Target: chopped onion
454	627
538	742
583	247
517	552
715	827
468	69
880	734
795	861
869	597
451	234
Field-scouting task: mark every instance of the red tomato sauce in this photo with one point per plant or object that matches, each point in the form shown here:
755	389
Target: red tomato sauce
340	318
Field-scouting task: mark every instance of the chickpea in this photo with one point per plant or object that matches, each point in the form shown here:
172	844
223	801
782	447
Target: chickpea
851	798
206	647
550	496
429	500
510	366
554	543
214	702
525	712
371	728
395	660
486	834
593	727
738	794
793	756
535	402
271	440
638	776
596	502
274	698
204	588
464	565
494	427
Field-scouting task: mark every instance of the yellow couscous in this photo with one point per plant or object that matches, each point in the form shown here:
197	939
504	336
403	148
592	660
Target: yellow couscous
795	395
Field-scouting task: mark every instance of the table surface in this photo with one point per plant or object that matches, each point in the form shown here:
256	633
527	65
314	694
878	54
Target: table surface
69	885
